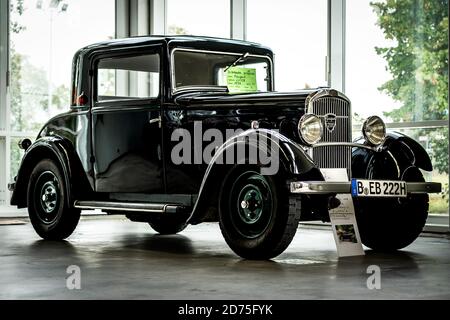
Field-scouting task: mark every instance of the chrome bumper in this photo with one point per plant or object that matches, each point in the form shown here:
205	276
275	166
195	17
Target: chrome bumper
324	187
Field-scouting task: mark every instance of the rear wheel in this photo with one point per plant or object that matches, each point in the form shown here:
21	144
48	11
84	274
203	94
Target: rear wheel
48	207
392	223
257	218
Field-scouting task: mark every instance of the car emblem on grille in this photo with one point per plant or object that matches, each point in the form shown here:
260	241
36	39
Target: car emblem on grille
330	121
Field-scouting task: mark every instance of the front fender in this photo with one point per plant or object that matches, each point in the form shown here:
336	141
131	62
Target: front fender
402	146
398	153
55	148
292	160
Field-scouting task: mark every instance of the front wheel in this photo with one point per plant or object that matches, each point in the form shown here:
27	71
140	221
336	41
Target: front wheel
48	206
257	218
392	223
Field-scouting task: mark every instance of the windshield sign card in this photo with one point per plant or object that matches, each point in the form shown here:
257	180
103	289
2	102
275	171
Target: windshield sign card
343	220
241	80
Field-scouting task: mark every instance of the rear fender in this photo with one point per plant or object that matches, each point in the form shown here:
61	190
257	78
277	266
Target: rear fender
58	150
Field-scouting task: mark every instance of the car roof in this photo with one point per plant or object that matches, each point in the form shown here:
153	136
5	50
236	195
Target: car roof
176	40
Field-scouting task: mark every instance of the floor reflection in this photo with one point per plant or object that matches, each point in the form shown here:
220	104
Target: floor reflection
52	247
399	261
178	244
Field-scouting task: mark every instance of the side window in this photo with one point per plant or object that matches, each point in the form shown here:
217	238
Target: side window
128	77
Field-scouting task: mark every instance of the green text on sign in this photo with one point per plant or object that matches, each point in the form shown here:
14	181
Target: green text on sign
241	80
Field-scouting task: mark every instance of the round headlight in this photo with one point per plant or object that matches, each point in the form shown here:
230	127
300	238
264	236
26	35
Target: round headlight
310	129
374	130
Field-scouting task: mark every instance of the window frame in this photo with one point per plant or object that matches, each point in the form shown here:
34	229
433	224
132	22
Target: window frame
126	52
175	90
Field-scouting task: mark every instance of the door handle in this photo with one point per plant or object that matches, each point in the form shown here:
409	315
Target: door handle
155	120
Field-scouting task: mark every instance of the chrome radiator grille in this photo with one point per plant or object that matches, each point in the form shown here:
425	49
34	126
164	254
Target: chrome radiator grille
333	156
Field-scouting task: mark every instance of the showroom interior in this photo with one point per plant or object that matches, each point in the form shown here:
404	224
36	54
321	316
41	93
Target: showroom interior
348	45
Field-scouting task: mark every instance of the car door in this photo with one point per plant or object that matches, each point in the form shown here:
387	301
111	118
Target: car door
126	127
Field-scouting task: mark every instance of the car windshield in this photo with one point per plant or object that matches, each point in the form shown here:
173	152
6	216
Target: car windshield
241	72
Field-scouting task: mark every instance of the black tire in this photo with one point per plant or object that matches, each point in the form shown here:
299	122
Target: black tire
167	225
388	224
50	213
257	218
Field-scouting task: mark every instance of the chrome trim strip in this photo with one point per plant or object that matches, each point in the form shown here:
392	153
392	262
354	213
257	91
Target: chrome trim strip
172	65
124	206
320	187
413	155
396	164
345	144
337	117
324	187
113	109
220	89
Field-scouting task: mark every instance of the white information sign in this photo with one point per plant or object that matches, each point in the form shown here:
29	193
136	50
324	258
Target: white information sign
343	220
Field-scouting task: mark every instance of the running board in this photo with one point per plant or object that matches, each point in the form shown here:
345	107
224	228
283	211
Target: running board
129	206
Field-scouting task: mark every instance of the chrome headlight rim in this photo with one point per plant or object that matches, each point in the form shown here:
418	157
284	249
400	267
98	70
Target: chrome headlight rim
368	131
304	120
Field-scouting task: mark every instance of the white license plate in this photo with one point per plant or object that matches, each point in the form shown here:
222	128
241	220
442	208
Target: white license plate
378	188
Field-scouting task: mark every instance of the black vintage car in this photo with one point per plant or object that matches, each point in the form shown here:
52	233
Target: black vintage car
153	120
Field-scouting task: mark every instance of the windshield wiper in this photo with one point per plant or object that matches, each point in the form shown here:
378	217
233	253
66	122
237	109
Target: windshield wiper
241	58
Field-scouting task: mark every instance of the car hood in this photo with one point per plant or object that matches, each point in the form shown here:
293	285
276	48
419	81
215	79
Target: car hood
296	98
